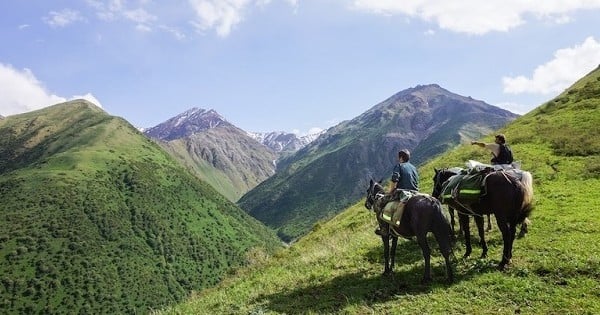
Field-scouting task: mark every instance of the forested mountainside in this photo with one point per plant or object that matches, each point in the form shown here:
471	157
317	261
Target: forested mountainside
96	218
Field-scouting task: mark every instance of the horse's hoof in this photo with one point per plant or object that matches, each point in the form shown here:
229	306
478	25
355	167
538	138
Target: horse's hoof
484	255
503	265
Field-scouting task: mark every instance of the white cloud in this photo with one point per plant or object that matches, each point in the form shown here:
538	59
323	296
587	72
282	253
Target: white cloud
568	65
515	107
143	28
22	92
88	97
224	15
476	16
115	9
139	16
173	31
62	18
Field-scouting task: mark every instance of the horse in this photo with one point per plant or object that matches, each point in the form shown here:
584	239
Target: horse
422	214
509	199
463	218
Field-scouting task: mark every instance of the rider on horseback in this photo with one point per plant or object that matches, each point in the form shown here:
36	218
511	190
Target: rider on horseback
404	177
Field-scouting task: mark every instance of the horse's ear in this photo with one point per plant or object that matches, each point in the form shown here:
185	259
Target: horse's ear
371	182
381	180
436	170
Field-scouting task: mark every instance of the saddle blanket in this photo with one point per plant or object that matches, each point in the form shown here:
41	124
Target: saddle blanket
393	210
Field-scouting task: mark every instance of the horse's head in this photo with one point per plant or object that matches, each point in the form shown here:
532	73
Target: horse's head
374	189
440	177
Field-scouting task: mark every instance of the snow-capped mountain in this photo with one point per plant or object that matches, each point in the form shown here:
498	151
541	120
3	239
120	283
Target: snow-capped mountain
281	141
187	123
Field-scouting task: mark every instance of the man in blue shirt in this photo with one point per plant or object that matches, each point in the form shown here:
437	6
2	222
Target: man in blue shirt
405	174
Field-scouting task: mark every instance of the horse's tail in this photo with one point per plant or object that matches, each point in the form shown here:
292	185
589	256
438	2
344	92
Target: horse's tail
527	204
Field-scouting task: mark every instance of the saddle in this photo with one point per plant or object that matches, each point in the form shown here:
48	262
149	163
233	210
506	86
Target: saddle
469	185
394	206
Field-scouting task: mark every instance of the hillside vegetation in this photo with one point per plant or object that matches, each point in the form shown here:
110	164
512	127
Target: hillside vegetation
327	176
336	269
96	218
215	151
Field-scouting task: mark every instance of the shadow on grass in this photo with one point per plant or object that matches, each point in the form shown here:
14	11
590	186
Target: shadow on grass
337	293
362	288
366	288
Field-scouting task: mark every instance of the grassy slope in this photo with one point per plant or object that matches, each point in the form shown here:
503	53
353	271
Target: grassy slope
96	218
218	179
555	268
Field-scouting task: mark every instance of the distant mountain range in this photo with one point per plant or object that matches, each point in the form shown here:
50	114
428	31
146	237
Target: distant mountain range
95	218
229	158
331	172
284	142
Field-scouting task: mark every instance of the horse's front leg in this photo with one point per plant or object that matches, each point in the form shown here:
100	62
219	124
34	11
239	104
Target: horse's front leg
464	224
386	254
479	221
452	222
489	225
393	253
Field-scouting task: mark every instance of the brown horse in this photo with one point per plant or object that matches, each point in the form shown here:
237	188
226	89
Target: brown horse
509	199
422	214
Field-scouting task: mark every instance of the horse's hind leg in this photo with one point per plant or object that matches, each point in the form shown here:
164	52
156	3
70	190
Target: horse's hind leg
479	222
446	249
508	237
422	240
489	225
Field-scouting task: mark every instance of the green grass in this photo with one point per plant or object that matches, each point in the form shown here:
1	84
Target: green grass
96	218
336	269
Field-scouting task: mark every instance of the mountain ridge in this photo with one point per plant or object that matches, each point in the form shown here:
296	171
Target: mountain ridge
232	160
331	170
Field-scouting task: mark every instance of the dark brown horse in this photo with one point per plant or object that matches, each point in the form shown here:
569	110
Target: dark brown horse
509	199
422	214
463	217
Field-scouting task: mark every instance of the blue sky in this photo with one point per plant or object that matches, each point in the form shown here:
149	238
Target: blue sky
288	65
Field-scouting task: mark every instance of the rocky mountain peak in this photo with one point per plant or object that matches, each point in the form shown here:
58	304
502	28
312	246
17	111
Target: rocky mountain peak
187	123
281	141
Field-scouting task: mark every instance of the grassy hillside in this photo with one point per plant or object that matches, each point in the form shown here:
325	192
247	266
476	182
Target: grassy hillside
555	269
202	169
327	176
96	218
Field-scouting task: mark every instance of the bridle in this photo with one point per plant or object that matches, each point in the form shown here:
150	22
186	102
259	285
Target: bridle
373	197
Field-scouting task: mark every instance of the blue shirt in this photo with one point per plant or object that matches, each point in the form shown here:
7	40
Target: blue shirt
408	178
